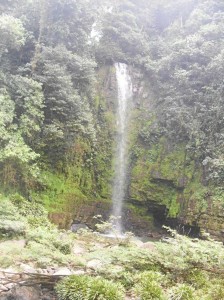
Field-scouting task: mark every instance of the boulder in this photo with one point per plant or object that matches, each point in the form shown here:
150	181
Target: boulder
78	250
62	272
27	268
137	242
22	293
78	272
94	264
3	288
77	226
150	246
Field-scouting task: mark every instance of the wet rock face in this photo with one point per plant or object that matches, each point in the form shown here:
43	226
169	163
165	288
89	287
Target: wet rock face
164	176
77	226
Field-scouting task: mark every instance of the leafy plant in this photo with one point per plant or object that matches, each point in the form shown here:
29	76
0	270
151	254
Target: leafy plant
89	288
11	222
149	286
109	227
182	292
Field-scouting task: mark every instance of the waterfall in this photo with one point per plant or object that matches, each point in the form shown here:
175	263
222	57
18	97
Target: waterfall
124	95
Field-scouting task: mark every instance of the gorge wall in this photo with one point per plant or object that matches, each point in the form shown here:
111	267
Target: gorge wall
167	184
58	96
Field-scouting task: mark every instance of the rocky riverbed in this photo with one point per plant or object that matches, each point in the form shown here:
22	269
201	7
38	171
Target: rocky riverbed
27	281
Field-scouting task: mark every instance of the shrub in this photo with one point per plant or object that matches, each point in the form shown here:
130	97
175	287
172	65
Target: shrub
116	273
197	278
148	286
43	255
89	288
182	292
216	291
183	253
51	238
6	261
11	223
10	228
27	208
35	222
8	210
11	252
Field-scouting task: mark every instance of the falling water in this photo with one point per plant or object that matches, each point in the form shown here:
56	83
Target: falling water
124	87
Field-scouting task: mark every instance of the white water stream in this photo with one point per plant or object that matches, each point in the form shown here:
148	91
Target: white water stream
124	88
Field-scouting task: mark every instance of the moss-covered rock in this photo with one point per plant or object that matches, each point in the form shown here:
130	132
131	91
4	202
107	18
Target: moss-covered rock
165	175
166	179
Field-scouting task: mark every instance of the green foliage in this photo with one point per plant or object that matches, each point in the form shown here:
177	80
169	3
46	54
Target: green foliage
11	223
182	292
9	253
197	278
9	228
117	274
27	208
18	164
60	194
44	255
129	257
45	244
28	96
34	212
6	113
173	270
17	159
160	175
54	115
12	33
122	36
51	238
16	148
190	253
8	210
148	286
88	288
47	82
215	291
194	96
49	92
180	268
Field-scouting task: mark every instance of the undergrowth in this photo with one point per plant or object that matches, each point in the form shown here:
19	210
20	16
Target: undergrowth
179	269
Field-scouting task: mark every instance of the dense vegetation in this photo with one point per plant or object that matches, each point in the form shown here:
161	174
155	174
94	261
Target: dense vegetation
57	129
46	87
49	105
105	268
